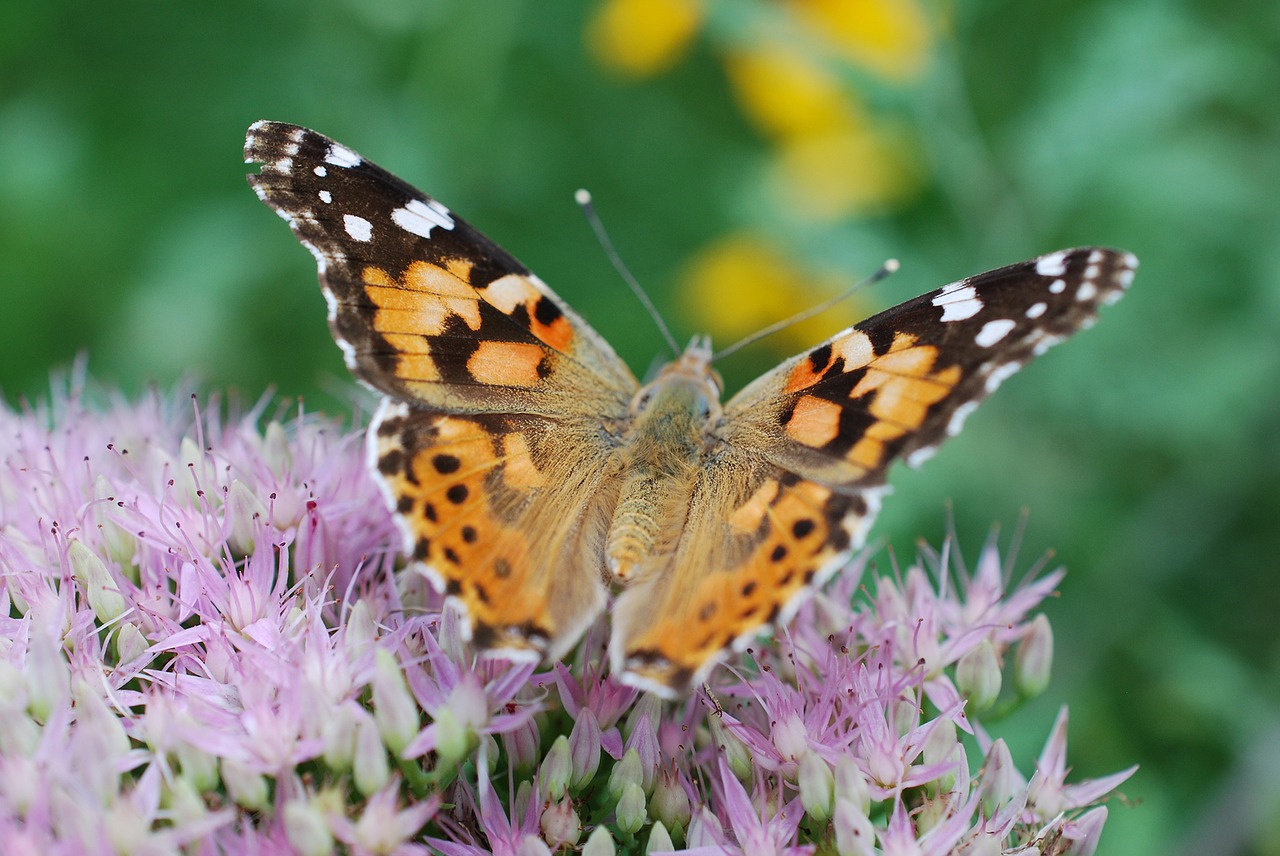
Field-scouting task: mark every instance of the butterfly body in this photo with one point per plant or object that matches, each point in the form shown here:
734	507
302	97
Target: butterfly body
666	446
537	483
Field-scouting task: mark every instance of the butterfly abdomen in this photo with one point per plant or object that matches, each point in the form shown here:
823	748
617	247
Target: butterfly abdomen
662	455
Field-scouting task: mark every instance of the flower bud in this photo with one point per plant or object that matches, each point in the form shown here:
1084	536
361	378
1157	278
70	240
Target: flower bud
630	813
360	630
978	676
940	747
625	772
120	544
184	802
659	840
669	804
584	748
338	737
599	843
246	788
1000	779
1034	660
791	737
817	786
197	767
460	719
306	829
100	588
733	750
92	712
369	768
855	836
851	784
644	742
394	708
557	769
247	514
522	746
130	643
276	449
48	677
560	824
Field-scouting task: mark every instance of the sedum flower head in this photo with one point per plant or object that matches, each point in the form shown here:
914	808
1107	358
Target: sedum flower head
210	645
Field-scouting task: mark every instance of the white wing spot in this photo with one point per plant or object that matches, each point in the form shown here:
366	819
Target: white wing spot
1035	310
1054	264
1000	374
1044	343
1058	286
340	155
958	303
325	196
959	416
1087	291
357	227
1096	257
421	217
994	331
320	171
919	456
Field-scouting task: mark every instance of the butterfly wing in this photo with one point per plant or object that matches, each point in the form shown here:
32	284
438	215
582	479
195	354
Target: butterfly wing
425	307
806	447
491	445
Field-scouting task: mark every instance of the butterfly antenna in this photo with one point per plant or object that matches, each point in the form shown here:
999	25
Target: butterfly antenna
885	269
583	198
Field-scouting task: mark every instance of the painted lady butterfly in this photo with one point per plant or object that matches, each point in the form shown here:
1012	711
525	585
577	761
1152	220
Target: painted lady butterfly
532	474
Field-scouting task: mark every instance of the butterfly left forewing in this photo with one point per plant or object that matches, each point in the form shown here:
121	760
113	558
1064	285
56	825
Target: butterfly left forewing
424	306
806	447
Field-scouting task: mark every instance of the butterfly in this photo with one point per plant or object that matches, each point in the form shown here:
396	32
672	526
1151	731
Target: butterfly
538	483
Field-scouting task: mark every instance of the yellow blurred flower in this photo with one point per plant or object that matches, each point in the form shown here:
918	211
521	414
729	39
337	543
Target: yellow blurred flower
643	37
743	282
832	159
785	94
889	37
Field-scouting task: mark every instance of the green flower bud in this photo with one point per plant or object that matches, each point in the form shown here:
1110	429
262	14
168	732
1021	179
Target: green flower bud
245	787
369	766
306	829
817	786
1034	660
557	768
978	676
599	843
394	709
560	824
659	840
630	813
91	572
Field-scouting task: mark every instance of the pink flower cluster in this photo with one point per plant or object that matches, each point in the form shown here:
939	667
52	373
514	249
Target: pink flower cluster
209	645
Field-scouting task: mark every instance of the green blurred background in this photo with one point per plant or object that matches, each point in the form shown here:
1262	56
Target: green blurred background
749	158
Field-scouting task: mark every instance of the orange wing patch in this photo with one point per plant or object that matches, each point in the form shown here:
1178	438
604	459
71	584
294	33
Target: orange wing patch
801	530
439	474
